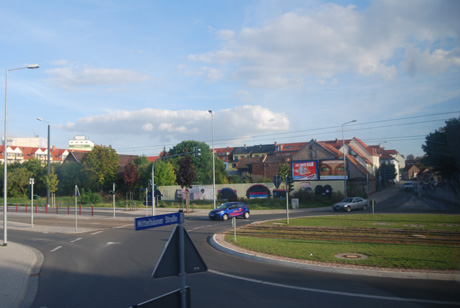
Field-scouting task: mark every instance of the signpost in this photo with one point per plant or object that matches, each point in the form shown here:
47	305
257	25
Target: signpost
31	182
180	256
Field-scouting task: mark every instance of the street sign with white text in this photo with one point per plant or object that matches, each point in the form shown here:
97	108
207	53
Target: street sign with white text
142	223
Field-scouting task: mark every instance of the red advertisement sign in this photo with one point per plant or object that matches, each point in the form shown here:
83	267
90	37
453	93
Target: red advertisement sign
305	170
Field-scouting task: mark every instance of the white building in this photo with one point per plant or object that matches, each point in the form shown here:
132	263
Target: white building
35	142
81	143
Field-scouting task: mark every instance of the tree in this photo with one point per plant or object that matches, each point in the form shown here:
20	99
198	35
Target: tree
101	165
34	165
386	172
185	176
52	182
164	173
283	171
203	163
131	176
442	149
70	174
18	180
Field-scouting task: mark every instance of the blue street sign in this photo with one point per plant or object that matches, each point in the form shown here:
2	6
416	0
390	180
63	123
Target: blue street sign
142	223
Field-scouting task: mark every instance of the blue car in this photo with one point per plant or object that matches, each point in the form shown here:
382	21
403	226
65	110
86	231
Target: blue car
230	210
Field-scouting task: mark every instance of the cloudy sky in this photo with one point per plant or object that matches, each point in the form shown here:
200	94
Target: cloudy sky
142	75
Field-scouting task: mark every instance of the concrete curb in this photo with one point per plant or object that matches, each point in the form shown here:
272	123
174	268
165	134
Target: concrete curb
32	286
329	268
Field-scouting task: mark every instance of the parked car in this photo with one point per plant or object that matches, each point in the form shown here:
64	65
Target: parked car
230	210
409	186
352	203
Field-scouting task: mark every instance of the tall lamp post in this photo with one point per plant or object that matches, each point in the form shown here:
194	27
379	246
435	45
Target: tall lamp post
48	172
344	160
213	163
5	155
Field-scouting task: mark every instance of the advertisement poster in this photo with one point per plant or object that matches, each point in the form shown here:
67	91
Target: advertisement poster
331	170
305	170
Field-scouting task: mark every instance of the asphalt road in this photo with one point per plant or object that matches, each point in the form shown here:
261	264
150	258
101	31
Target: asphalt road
112	267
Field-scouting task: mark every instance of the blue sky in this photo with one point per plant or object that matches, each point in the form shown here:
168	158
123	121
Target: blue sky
142	75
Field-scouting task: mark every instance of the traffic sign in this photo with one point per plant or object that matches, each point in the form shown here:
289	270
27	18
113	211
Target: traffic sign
169	264
142	223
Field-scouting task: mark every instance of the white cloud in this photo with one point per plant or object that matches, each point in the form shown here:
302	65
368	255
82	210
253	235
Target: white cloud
426	62
184	124
74	77
333	40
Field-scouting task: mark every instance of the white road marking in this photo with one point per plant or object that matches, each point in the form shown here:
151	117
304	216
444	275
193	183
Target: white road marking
113	243
389	298
55	249
96	232
200	227
77	239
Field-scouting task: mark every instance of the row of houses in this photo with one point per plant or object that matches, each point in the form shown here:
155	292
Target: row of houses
313	160
264	160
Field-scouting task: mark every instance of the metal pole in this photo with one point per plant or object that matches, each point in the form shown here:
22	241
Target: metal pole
48	172
5	162
287	201
213	164
182	260
113	199
31	181
76	217
153	189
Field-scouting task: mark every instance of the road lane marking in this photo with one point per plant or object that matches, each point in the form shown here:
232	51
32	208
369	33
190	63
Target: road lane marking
200	227
75	240
55	249
96	232
389	298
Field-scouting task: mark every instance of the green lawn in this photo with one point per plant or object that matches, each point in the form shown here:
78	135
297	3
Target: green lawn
393	241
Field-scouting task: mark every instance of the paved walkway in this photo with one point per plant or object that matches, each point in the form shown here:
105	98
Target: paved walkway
20	264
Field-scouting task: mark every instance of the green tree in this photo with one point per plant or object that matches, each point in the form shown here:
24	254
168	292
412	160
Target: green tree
442	149
185	176
69	175
35	166
101	166
164	173
18	180
386	173
283	171
52	182
202	163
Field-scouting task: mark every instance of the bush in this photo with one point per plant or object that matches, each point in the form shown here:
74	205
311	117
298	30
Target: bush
89	197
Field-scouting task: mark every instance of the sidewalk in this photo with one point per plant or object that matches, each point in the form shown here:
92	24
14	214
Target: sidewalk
20	264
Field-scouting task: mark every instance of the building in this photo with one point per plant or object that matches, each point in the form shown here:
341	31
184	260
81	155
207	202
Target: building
81	143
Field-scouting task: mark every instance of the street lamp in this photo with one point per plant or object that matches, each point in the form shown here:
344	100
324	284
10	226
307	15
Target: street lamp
344	160
48	172
5	155
213	163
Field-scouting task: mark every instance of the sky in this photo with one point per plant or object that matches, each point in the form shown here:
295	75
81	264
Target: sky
142	75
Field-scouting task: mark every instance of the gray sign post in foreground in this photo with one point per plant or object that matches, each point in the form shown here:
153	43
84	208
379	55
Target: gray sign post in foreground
179	258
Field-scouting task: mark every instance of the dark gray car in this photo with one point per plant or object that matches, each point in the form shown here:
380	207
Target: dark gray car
351	203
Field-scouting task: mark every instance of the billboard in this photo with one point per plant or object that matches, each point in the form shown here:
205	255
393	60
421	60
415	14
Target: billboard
331	169
306	170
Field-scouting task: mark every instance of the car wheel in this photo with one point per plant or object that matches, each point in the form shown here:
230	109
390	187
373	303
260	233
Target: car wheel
246	215
348	209
224	217
335	210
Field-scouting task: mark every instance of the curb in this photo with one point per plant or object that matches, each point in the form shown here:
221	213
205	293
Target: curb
32	285
316	266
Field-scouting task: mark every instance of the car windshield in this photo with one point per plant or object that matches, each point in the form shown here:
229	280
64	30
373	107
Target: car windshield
223	206
347	200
